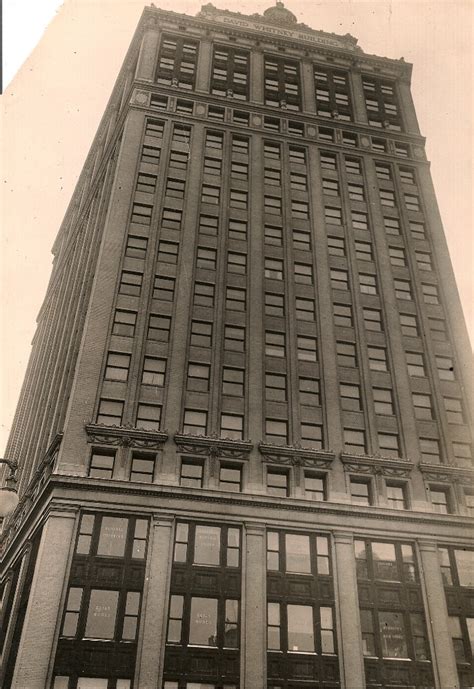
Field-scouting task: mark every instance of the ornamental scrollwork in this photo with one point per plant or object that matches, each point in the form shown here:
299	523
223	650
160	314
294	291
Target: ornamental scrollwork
125	436
213	446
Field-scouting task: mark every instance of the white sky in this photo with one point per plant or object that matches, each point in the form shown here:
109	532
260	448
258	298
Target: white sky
52	106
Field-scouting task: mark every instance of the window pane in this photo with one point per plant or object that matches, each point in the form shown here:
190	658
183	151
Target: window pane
300	628
101	614
203	622
465	566
207	545
91	683
297	554
392	631
385	566
113	534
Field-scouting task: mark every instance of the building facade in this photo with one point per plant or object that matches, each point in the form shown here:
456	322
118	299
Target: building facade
245	458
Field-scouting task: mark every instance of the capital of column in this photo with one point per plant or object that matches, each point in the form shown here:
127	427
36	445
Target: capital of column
428	546
166	520
255	529
343	538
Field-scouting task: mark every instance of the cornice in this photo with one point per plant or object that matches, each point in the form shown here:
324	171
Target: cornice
213	446
446	473
377	465
296	456
125	436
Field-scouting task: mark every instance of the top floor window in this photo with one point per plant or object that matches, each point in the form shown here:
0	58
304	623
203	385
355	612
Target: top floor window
382	103
332	93
230	73
177	62
282	83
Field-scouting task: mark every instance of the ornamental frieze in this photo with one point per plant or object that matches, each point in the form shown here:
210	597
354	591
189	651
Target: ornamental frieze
213	446
377	465
125	436
296	456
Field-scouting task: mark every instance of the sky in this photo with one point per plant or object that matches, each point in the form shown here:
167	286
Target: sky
58	80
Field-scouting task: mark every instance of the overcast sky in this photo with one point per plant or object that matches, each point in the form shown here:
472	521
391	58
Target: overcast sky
52	106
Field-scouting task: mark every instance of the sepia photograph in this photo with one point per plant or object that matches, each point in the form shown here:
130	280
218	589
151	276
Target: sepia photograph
238	307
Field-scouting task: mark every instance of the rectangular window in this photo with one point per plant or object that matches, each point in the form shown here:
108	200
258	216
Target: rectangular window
233	381
168	252
354	441
346	354
333	216
177	62
417	230
412	202
136	247
232	426
148	416
392	226
175	188
238	199
234	338
276	431
305	309
110	412
367	283
343	315
235	299
445	368
377	358
154	129
454	410
124	323
423	406
201	334
303	273
272	204
206	258
306	348
212	166
230	73
272	177
273	235
383	171
430	450
382	103
403	290
356	192
215	113
195	422
309	389
430	294
397	256
191	473
387	198
360	492
336	247
301	240
326	134
353	166
210	194
409	325
440	500
237	230
393	635
364	251
239	170
330	187
141	214
271	123
277	483
328	161
389	444
311	435
350	397
198	377
298	182
117	366
163	288
407	175
203	294
275	387
300	209
396	497
130	283
383	401
315	487
415	364
275	344
339	279
154	371
423	260
159	328
359	220
178	160
274	305
332	93
102	463
372	320
230	478
171	219
273	269
379	145
282	83
142	468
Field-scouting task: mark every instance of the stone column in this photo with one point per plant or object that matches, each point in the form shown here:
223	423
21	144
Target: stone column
358	98
444	661
254	607
148	52
350	652
203	78
49	580
149	673
256	76
407	107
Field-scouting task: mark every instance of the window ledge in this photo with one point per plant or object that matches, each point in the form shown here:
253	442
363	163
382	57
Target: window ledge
387	466
296	456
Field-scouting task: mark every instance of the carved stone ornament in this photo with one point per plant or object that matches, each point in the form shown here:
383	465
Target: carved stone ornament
377	466
213	446
296	456
446	473
419	152
125	436
141	97
365	141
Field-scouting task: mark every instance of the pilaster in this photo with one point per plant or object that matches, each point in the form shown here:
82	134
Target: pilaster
151	653
254	599
444	662
36	646
148	53
358	98
256	76
350	653
407	107
203	78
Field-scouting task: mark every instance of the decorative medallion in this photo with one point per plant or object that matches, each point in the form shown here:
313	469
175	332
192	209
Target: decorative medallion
141	97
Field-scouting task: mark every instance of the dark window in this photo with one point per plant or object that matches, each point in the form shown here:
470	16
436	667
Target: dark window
232	426
102	463
148	416
332	93
110	412
117	366
382	103
277	483
230	73
282	83
177	62
191	473
159	328
124	323
163	288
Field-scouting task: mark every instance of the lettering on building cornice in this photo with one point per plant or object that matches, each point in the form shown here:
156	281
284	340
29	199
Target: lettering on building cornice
293	34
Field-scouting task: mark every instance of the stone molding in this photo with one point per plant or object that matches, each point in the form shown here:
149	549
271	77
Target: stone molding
125	436
377	465
213	446
296	456
446	473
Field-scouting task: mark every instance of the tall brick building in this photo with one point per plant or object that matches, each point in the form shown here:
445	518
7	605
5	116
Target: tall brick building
243	433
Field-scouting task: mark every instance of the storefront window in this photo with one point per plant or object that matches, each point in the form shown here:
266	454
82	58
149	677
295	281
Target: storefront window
207	545
297	554
300	628
392	633
203	622
102	614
